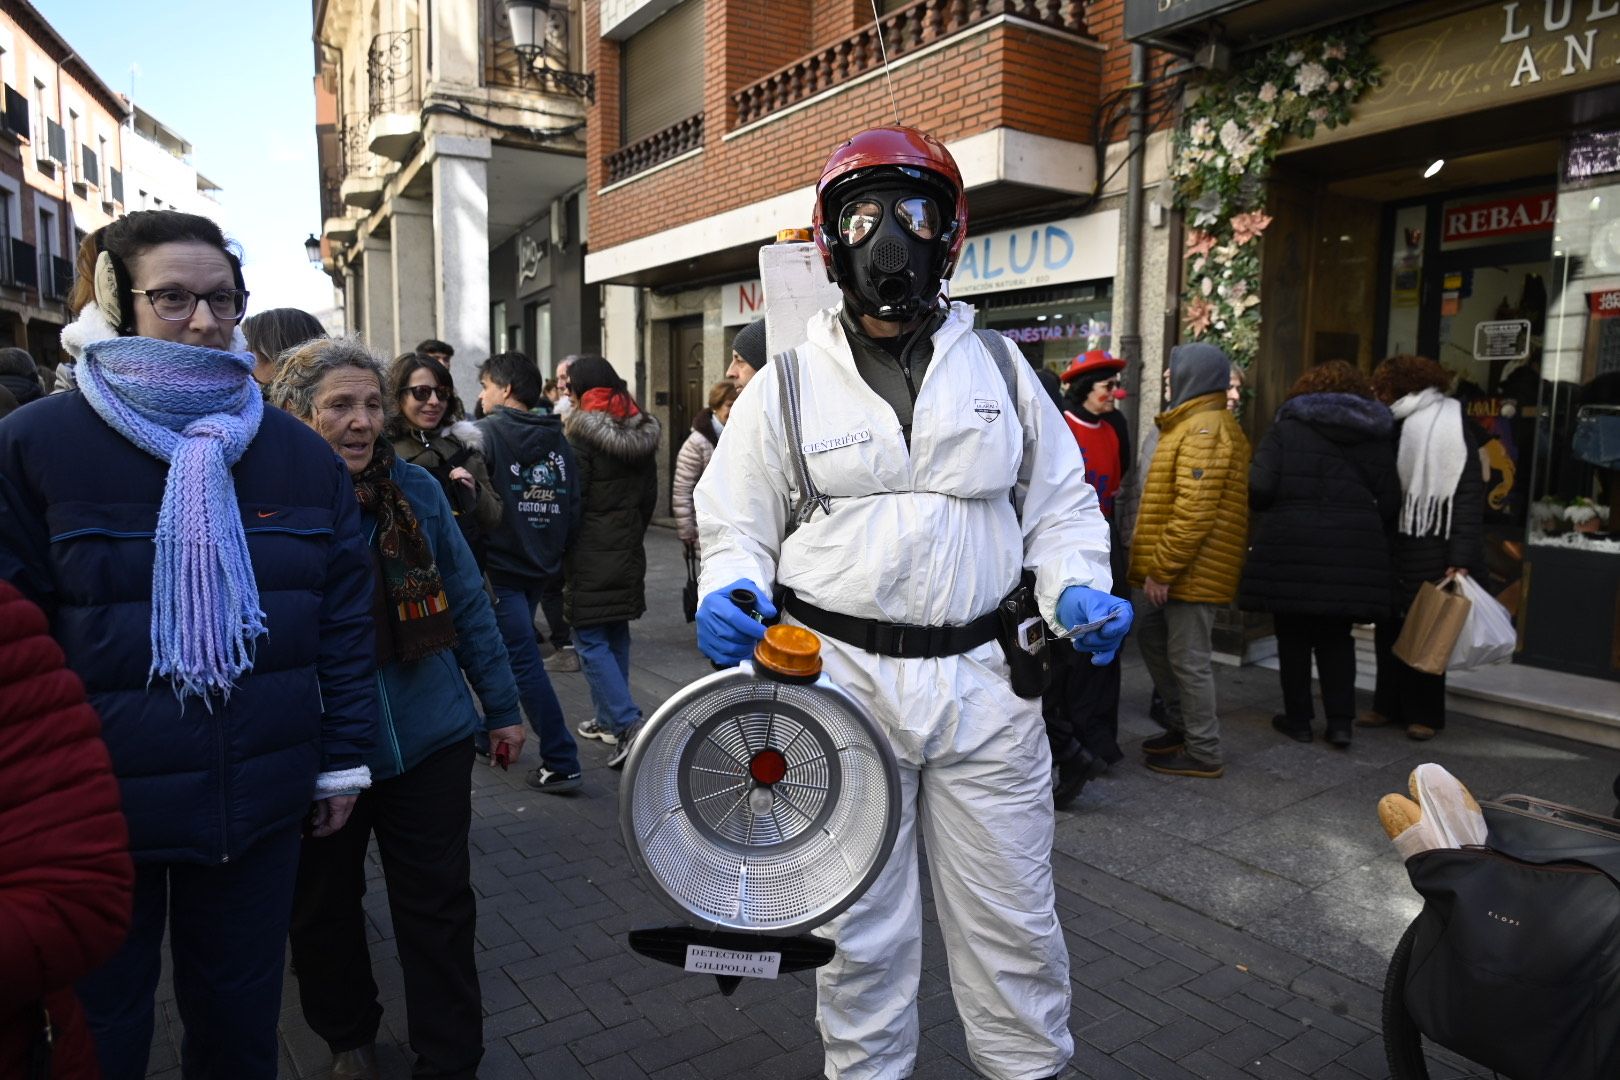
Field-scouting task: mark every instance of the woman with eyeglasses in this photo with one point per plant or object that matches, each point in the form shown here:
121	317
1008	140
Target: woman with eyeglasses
428	430
201	562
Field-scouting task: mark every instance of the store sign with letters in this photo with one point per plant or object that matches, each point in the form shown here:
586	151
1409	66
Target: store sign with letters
1499	217
1052	253
1485	58
1605	304
742	302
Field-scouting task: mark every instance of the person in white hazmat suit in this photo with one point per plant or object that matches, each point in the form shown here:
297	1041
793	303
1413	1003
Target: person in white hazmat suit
914	437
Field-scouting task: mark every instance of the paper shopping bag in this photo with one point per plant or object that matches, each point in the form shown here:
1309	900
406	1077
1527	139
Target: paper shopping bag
1433	625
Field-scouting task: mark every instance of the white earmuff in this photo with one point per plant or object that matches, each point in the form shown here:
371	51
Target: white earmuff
106	283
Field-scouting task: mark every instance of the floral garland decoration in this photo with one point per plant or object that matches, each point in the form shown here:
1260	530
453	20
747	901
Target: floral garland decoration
1224	150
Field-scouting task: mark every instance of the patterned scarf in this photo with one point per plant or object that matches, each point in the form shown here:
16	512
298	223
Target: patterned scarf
419	619
197	409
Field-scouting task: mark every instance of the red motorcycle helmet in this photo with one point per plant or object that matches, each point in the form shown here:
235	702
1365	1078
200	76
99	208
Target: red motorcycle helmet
896	148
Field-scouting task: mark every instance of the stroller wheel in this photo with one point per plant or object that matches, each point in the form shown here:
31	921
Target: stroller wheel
1403	1043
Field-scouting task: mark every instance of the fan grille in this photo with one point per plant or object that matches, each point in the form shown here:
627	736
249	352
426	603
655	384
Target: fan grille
737	855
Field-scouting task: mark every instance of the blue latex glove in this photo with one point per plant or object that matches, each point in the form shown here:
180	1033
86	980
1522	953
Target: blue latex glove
725	634
1079	605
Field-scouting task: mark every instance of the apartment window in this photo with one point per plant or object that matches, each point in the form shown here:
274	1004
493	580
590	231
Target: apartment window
7	275
47	233
497	328
662	72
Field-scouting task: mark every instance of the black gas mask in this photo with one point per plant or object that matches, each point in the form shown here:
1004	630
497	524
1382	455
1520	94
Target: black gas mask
890	238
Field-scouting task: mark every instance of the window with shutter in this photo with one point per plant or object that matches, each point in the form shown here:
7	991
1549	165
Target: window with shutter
661	72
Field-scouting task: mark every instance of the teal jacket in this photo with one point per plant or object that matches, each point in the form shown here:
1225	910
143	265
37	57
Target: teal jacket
426	706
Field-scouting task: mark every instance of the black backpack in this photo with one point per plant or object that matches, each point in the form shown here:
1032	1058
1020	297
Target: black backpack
1515	958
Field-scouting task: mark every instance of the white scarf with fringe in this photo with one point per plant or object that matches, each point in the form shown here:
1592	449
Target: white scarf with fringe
1431	459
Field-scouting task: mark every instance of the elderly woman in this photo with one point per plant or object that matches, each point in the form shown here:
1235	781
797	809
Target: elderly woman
200	559
694	457
427	430
1440	530
433	622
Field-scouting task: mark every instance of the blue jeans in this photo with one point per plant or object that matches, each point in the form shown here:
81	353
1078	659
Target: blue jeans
514	614
604	655
228	940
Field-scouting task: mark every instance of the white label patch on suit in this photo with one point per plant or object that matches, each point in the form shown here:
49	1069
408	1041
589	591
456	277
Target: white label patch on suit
837	441
987	408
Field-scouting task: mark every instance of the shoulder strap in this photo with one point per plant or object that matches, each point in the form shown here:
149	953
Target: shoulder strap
996	344
807	496
1000	351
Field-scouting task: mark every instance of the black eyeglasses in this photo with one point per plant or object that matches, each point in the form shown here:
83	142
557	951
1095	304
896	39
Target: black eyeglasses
177	305
422	393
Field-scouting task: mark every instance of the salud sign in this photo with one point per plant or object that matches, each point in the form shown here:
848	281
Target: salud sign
1051	253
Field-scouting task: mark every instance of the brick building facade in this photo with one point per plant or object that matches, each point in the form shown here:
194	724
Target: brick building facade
61	174
1026	93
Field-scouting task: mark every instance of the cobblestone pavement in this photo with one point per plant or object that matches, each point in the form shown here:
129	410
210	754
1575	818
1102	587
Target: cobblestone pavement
1219	929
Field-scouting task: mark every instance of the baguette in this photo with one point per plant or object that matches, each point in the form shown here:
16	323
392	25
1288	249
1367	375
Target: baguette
1397	813
1468	796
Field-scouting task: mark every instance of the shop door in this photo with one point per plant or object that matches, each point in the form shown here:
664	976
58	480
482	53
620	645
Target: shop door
686	397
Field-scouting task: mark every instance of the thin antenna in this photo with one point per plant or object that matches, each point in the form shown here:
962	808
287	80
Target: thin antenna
884	49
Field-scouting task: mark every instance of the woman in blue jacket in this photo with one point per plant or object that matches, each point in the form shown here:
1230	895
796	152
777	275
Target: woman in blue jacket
200	560
433	621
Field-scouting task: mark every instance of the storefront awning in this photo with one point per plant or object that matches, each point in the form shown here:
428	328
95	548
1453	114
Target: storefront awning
1183	26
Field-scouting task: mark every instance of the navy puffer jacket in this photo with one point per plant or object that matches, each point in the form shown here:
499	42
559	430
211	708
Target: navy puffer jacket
1324	485
78	509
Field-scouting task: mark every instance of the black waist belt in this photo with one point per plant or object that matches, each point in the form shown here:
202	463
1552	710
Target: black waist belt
899	640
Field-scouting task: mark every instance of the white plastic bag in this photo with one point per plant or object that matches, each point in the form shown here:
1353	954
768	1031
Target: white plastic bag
1488	636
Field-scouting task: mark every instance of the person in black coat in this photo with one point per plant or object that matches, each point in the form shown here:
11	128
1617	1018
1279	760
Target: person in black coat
1440	531
1324	483
605	567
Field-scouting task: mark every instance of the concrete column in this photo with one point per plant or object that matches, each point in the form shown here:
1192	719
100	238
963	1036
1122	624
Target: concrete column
461	252
414	294
354	301
377	277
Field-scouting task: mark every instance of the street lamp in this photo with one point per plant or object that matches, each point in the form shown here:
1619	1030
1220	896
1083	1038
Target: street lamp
528	19
533	22
312	248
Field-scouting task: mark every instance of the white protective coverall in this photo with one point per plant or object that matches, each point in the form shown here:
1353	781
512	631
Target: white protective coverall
927	537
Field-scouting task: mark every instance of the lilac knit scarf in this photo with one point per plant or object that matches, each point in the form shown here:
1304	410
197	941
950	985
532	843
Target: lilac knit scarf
197	409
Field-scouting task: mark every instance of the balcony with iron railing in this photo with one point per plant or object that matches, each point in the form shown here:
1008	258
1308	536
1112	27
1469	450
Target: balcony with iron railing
907	30
55	277
659	148
395	94
552	67
363	180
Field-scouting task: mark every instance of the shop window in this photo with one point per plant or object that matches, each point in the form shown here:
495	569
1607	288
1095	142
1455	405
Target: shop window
1576	483
1051	326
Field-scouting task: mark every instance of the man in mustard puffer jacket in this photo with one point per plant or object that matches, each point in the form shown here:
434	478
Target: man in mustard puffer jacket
1191	534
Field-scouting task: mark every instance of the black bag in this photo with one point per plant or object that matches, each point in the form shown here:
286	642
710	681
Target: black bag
689	595
1024	641
1515	959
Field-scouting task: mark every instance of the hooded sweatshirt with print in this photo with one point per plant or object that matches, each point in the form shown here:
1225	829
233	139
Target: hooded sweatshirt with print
533	470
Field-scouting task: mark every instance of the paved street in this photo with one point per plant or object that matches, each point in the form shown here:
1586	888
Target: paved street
1217	929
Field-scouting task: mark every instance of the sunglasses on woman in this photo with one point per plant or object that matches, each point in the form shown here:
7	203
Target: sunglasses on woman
422	393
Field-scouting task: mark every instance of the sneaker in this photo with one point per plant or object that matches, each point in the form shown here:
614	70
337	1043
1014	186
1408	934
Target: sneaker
1299	731
1171	742
1183	764
554	783
625	742
564	659
592	730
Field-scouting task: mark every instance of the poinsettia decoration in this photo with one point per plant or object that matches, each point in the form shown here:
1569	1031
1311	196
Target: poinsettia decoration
1224	149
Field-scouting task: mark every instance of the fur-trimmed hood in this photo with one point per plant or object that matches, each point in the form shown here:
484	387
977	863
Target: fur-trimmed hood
633	439
466	432
1344	418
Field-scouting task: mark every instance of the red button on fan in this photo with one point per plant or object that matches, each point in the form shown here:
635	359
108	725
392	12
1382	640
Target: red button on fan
768	767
